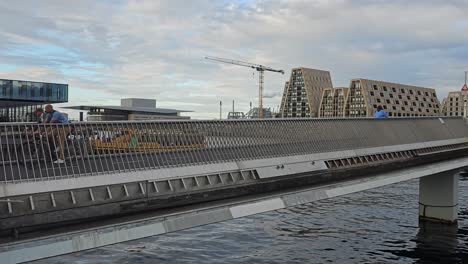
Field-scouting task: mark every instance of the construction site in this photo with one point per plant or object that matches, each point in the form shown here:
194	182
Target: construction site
309	93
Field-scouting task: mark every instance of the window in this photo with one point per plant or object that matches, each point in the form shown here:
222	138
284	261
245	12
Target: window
375	87
375	106
393	89
371	93
388	101
400	97
384	107
406	102
414	103
402	90
378	100
397	102
422	104
411	91
394	107
426	93
384	88
416	98
408	97
419	92
419	110
403	109
391	95
381	94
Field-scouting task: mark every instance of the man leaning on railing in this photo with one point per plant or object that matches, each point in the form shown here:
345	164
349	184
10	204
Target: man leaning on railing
52	116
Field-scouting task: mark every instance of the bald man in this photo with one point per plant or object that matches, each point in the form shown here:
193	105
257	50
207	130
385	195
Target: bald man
60	132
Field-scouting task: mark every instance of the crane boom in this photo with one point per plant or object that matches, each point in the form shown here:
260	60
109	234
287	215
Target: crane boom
257	67
260	68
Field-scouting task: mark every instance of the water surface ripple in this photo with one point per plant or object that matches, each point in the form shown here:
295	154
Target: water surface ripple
375	226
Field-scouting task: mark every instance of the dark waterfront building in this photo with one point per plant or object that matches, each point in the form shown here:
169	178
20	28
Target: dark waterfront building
19	99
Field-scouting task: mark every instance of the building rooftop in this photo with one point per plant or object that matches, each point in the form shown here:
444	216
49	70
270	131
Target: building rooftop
128	109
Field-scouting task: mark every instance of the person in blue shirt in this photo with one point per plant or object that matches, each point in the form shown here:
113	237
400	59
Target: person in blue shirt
53	116
380	113
60	133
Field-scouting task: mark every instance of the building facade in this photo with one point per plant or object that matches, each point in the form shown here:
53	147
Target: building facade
456	104
333	102
302	93
284	97
398	100
19	99
363	97
130	109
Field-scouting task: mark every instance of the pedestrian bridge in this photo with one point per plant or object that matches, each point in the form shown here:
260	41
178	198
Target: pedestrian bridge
190	173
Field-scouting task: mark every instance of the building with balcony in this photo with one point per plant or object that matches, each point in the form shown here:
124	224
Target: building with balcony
456	103
302	93
363	97
333	102
19	99
398	100
129	109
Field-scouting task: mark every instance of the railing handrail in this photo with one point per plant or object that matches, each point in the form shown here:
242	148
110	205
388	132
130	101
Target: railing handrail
238	120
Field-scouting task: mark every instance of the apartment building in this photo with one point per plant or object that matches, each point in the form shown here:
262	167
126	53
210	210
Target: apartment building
398	100
333	102
456	103
303	92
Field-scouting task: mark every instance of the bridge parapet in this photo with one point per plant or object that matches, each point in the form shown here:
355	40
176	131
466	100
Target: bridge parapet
28	151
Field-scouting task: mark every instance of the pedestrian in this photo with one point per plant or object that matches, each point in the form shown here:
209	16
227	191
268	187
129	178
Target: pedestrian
54	116
61	132
39	114
380	113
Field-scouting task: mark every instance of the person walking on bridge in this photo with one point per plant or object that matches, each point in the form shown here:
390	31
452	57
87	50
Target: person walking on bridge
380	113
55	117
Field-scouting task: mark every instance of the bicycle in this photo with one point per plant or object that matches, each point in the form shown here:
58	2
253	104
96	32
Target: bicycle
40	148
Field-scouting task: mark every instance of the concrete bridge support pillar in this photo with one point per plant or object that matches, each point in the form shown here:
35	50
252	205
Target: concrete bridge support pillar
438	197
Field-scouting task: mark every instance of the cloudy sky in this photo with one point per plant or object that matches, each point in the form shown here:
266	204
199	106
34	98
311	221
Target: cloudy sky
106	50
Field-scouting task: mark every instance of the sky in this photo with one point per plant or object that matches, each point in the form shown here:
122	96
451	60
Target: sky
107	50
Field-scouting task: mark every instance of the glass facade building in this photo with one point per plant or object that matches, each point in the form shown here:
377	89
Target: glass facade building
19	99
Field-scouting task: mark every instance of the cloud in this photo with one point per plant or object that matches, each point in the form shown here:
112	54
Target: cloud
154	49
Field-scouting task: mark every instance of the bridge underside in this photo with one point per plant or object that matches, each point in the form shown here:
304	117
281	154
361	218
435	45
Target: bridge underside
86	235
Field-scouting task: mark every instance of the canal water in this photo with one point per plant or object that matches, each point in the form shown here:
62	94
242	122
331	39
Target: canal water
375	226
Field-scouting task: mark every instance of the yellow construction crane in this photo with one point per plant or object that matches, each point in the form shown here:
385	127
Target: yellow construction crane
260	68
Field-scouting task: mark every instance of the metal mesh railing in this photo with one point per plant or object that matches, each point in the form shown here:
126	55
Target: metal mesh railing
50	151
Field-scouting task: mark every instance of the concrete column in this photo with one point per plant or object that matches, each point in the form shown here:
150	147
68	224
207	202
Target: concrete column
438	197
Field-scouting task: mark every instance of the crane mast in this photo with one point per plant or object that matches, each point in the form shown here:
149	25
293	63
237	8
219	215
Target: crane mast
261	70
